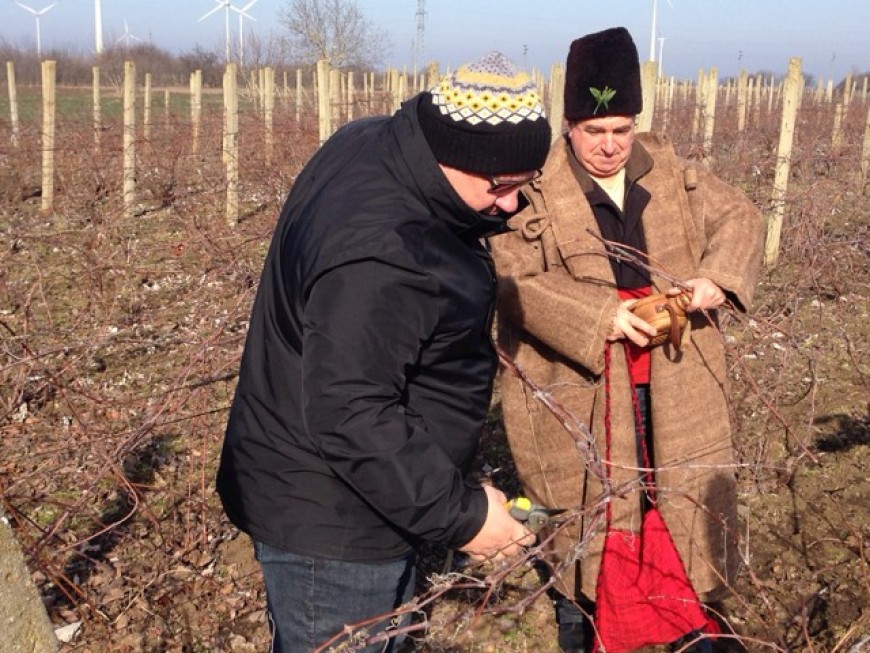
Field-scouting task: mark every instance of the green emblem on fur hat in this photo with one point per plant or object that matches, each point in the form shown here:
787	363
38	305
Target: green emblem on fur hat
602	97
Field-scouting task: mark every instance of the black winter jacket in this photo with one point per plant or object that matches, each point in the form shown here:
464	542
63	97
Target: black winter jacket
368	365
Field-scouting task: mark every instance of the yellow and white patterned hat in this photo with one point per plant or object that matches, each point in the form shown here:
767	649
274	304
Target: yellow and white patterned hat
486	117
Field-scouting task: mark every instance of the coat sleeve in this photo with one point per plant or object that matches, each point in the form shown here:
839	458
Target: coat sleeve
733	232
539	296
364	326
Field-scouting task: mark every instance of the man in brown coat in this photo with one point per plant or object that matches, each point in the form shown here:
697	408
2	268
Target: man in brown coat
563	301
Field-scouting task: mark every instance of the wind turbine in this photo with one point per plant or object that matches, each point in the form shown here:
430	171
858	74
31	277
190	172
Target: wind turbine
652	35
225	5
126	37
38	14
98	27
242	15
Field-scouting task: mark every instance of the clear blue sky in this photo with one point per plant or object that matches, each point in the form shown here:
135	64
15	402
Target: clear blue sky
831	36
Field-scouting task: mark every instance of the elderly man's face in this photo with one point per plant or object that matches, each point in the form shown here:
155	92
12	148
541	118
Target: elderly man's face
603	145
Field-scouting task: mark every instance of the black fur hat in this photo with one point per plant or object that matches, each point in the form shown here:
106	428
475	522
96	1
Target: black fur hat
602	76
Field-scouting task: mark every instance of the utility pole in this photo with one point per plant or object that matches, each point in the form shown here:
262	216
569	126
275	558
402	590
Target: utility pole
421	23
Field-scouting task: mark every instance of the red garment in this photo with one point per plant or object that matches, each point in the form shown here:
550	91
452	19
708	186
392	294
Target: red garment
643	594
638	357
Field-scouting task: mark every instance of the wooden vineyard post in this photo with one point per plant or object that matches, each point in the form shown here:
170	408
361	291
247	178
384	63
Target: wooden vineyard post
49	72
557	100
269	112
711	91
146	117
98	106
323	114
792	88
648	81
231	143
195	106
129	137
13	102
166	105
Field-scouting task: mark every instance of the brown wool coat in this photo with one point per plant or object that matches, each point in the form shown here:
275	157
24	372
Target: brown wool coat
557	300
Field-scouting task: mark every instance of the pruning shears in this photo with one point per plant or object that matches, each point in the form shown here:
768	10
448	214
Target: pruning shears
535	517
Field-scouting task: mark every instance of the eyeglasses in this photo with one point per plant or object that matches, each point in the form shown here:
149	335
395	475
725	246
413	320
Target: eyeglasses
501	186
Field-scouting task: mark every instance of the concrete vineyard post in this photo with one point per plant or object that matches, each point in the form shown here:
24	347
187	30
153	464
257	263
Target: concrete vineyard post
269	112
49	106
335	97
557	100
792	89
742	89
298	95
98	110
699	99
350	96
712	90
648	73
13	102
195	107
129	137
231	143
837	131
146	116
323	112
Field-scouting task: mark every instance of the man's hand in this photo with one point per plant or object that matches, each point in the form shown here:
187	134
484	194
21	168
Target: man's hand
705	295
628	325
502	536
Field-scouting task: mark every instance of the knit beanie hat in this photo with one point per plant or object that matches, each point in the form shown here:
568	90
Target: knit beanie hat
602	76
486	118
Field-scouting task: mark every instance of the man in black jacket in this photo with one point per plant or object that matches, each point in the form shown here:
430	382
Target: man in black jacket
368	365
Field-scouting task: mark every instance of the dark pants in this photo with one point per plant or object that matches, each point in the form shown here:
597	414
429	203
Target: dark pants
310	599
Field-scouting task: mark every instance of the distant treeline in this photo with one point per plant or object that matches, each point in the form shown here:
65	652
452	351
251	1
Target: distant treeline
169	69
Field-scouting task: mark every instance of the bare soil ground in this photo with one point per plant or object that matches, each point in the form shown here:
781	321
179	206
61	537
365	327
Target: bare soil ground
120	339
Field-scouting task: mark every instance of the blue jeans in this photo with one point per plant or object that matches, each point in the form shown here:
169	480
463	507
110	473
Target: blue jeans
310	599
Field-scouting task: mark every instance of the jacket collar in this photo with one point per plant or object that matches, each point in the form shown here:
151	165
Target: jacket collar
639	164
431	185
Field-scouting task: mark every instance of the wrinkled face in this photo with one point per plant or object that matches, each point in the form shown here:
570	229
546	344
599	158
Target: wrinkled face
602	145
490	195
